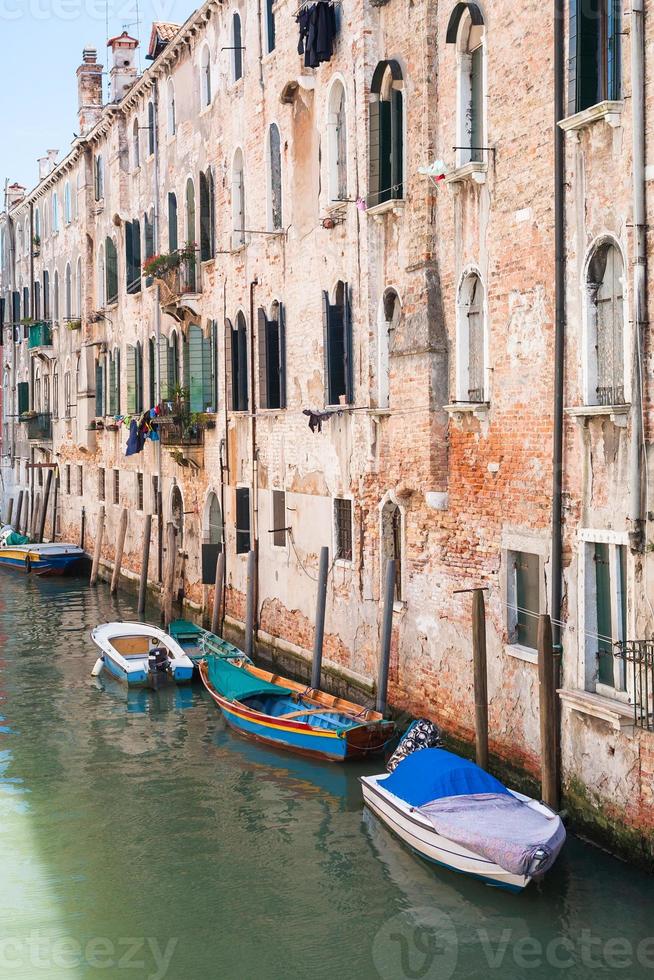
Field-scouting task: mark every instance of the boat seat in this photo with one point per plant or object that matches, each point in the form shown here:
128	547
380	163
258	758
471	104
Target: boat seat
308	711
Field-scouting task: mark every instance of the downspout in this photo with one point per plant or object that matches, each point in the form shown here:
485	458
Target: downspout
255	466
636	446
157	326
559	319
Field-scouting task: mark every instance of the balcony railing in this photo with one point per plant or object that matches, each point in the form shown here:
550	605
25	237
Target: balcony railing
178	273
638	658
610	395
39	426
176	432
40	335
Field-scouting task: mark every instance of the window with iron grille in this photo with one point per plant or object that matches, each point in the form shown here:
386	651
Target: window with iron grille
101	483
80	481
116	486
139	491
343	528
279	518
242	520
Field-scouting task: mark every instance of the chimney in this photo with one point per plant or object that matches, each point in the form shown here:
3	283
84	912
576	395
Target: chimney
89	88
15	193
123	72
44	167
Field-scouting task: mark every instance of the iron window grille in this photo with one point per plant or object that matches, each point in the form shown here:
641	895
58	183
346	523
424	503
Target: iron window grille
343	528
638	659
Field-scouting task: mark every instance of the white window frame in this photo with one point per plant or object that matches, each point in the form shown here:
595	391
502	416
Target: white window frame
463	338
206	79
524	542
464	50
589	325
337	84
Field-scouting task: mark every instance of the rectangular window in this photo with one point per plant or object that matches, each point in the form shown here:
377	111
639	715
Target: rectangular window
272	358
594	54
279	518
80	480
337	324
236	363
139	491
23	389
523	598
343	528
133	256
242	520
172	223
606	619
68	478
101	483
116	486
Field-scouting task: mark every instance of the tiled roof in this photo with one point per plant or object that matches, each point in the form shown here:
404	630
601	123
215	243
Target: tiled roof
162	33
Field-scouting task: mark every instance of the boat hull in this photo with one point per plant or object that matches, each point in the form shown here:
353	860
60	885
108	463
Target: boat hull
125	654
298	737
42	560
421	837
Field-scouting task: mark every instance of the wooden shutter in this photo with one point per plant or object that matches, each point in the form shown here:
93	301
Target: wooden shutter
262	338
195	376
131	379
172	223
99	389
282	356
386	190
588	58
374	158
164	371
111	259
129	257
205	220
113	408
397	144
229	372
23	389
476	103
270	25
347	345
242	520
117	357
279	518
613	80
242	351
326	319
136	255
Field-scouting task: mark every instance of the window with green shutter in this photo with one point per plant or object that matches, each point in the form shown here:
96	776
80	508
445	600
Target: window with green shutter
198	370
23	390
337	329
272	358
386	135
114	383
594	69
172	223
99	388
111	270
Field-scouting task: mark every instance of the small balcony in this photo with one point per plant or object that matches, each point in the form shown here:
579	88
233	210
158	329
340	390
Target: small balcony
178	275
38	425
40	335
178	433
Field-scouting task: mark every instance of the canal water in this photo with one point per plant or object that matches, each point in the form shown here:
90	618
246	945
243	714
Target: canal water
139	838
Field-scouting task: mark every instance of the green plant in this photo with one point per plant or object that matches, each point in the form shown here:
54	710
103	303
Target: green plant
74	325
36	241
27	321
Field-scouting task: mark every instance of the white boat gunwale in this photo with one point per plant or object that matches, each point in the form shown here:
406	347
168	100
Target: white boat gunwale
135	663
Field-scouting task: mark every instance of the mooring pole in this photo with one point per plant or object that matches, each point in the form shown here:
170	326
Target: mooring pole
480	676
321	605
169	583
218	592
98	545
387	629
249	608
34	523
82	530
44	509
19	508
10	507
145	561
120	547
54	507
548	719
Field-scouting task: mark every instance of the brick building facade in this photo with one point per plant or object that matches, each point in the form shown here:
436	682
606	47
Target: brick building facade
417	310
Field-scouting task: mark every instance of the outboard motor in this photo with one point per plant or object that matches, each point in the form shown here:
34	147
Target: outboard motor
158	665
422	734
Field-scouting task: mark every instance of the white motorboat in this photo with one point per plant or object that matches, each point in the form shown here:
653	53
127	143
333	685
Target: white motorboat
454	814
140	655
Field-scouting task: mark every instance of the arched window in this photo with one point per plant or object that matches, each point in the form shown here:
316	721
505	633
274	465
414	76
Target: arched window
36	399
391	311
391	543
37	226
173	363
134	369
20	243
606	316
133	256
67	396
102	281
99	177
190	264
337	129
55	391
55	297
68	210
275	151
151	128
177	513
471	341
272	357
205	77
136	145
213	533
55	213
466	30
207	216
172	116
236	363
173	240
386	133
237	44
238	201
111	271
68	288
78	288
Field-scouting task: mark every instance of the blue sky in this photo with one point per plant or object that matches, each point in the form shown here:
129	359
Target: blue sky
41	44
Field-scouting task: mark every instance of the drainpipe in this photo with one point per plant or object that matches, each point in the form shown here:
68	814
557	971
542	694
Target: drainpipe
224	463
157	326
255	463
636	446
559	316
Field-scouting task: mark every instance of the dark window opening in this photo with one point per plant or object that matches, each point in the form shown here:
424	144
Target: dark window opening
272	358
236	363
133	256
207	217
337	322
386	135
343	528
594	57
279	518
242	520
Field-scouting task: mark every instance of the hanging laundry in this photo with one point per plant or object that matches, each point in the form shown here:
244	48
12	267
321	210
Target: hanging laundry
316	419
317	22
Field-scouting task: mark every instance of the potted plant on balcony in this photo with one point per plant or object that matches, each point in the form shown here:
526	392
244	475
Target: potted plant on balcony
165	268
26	416
73	324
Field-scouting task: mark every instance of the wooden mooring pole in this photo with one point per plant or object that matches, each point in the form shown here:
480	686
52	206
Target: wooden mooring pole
82	530
19	507
548	714
44	508
145	562
480	677
386	634
321	605
98	546
218	593
55	500
34	523
169	583
10	508
120	547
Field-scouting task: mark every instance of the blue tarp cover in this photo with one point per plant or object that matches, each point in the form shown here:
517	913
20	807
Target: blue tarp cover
431	774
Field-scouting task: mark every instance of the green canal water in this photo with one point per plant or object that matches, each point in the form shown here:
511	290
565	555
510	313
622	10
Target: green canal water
139	838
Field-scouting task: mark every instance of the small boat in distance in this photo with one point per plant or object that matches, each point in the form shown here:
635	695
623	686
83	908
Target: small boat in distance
452	813
140	655
286	714
42	559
